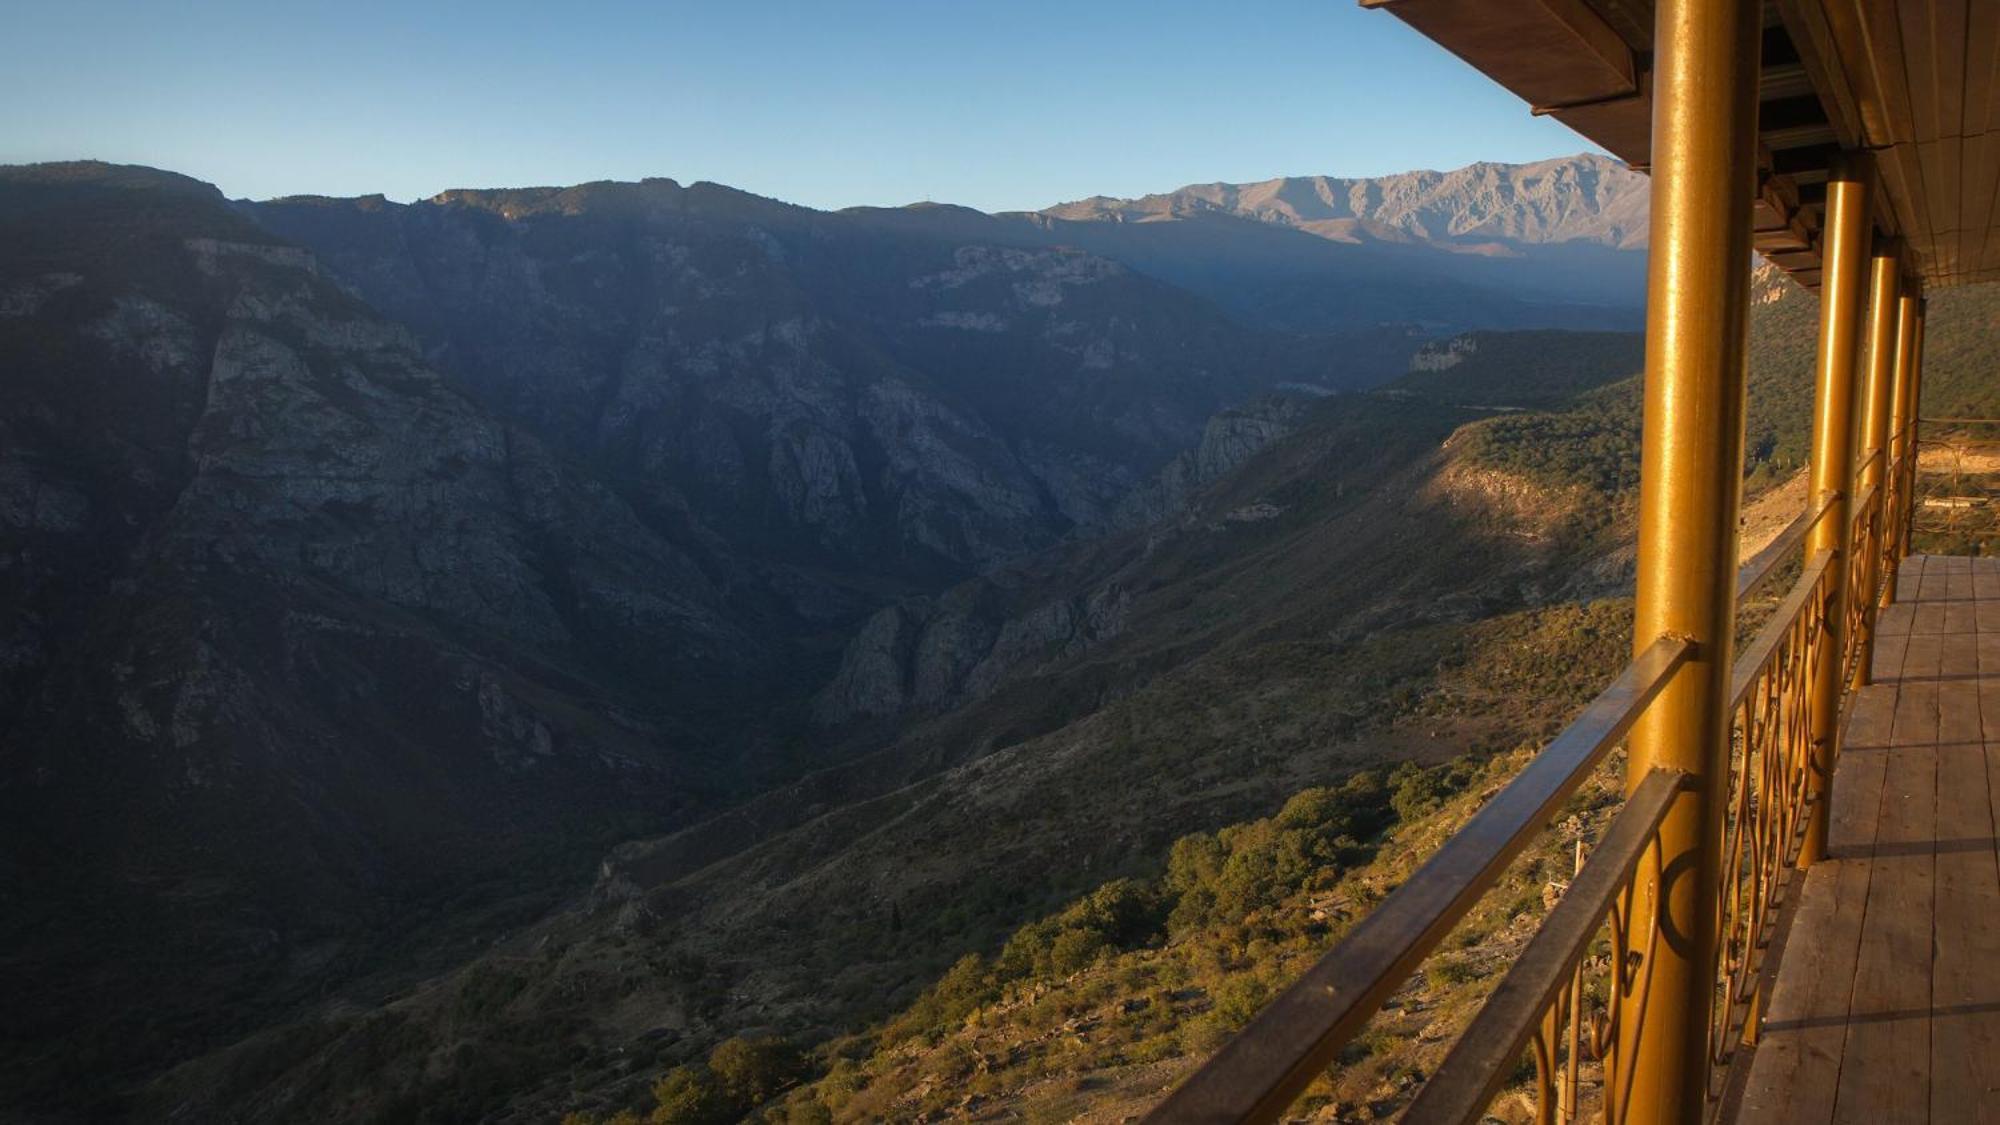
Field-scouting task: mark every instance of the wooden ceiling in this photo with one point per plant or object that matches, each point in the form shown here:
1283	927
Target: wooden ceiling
1916	82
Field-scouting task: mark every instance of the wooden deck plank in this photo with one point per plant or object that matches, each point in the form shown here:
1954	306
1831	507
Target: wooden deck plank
1909	576
1965	981
1932	588
1795	1071
1927	615
1986	613
1885	1060
1895	619
1986	581
1958	702
1889	653
1960	615
1886	1006
1960	597
1916	722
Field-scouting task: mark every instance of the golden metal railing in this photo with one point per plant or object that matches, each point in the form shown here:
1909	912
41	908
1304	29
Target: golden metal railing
1864	567
1562	997
1560	1002
1264	1068
1770	785
1545	1005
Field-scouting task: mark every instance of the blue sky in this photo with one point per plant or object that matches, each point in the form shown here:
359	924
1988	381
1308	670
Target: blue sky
996	105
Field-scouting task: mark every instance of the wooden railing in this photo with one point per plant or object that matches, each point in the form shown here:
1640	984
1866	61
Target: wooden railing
1560	1002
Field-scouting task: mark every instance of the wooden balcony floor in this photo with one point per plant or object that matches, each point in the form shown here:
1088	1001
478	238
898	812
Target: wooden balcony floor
1887	1002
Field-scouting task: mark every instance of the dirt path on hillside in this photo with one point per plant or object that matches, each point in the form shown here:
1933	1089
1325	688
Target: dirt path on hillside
1770	513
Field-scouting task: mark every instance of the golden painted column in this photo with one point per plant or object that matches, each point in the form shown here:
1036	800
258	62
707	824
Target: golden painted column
1916	398
1843	283
1901	426
1871	477
1690	485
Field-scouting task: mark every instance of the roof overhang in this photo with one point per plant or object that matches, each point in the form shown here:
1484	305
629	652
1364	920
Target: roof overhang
1916	83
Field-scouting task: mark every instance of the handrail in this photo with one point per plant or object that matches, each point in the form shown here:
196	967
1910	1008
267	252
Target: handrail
1480	1062
1867	463
1263	1069
1541	995
1269	1063
1944	495
1762	565
1743	677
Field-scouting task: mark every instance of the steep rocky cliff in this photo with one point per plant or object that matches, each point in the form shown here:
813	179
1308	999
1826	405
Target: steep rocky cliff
295	637
868	404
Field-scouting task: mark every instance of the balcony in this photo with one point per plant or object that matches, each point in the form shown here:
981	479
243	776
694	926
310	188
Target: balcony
1886	1005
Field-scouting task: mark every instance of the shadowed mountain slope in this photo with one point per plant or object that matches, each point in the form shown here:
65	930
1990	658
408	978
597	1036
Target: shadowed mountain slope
830	395
851	588
305	657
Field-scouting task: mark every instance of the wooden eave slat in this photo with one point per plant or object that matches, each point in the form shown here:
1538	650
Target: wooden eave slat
1812	37
1980	177
1631	19
1930	63
1944	46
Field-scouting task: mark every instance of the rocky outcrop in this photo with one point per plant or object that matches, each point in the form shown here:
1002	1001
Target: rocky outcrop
1513	503
926	654
1442	355
930	654
1230	438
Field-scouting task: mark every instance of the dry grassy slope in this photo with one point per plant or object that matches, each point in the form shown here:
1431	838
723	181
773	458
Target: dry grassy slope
1104	1043
1263	656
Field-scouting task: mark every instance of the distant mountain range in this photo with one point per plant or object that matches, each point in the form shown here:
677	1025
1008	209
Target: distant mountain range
1486	246
372	569
1482	208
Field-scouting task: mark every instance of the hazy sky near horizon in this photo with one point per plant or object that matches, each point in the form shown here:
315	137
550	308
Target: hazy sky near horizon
996	105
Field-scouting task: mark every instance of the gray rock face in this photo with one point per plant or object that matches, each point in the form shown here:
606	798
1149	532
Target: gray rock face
1230	438
822	392
293	631
927	655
